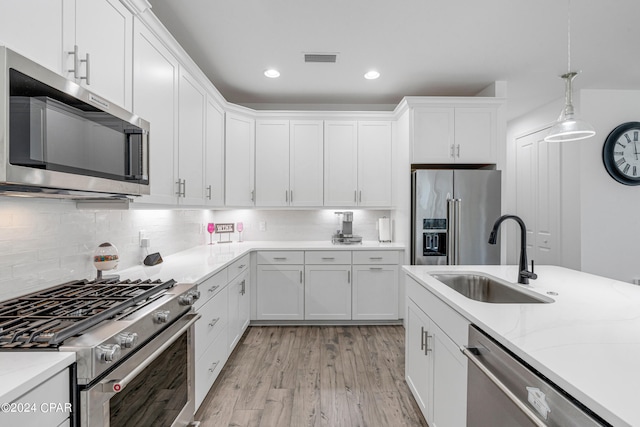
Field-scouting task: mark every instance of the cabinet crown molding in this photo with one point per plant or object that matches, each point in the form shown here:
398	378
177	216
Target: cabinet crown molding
137	7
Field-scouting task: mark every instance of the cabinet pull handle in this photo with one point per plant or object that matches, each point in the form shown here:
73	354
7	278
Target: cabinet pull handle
426	343
291	198
328	258
213	288
214	366
87	76
213	322
348	276
184	187
360	197
421	338
375	257
300	276
242	287
76	61
181	187
209	192
280	258
242	265
451	153
375	268
253	195
458	150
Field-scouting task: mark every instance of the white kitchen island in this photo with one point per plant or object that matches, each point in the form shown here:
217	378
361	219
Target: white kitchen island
587	341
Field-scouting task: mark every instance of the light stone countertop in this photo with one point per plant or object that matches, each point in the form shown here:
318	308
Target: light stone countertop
587	341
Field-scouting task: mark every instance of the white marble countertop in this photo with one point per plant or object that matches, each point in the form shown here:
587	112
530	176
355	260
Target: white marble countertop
587	341
22	371
200	262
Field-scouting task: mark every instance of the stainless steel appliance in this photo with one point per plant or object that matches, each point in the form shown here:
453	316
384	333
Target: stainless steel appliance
58	139
452	214
505	392
133	342
344	235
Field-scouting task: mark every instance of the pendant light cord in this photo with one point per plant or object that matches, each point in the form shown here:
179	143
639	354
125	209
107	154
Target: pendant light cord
568	36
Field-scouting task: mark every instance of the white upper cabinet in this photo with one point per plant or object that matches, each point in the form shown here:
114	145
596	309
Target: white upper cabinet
155	98
374	163
340	163
454	135
88	41
357	170
191	116
214	155
103	33
289	161
272	163
239	160
306	162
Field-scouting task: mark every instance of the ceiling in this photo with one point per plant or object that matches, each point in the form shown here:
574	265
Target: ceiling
420	47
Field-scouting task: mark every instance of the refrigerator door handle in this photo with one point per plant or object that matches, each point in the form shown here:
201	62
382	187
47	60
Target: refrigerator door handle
451	230
458	213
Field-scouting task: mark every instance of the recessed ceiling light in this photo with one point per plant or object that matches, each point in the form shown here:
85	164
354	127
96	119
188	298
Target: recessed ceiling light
272	73
372	75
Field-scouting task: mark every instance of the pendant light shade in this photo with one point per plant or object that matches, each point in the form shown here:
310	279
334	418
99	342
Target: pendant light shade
568	127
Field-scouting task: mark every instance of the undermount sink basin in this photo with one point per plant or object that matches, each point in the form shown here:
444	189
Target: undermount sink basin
486	288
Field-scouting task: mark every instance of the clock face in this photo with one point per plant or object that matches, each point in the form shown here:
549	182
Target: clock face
621	153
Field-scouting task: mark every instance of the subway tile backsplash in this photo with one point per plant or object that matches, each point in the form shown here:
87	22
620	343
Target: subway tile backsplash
46	242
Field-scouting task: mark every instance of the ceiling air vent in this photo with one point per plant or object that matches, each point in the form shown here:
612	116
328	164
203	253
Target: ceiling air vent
320	57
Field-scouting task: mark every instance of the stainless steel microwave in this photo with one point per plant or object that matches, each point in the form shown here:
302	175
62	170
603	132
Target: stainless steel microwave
57	139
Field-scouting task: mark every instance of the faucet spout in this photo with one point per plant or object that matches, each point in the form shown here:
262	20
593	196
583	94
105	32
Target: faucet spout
523	273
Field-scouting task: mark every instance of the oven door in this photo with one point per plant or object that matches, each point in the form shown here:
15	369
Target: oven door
153	387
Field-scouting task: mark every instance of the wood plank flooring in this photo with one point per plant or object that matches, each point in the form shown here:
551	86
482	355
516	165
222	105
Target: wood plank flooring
314	376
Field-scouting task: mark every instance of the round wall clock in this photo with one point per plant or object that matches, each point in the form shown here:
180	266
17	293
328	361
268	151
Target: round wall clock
621	153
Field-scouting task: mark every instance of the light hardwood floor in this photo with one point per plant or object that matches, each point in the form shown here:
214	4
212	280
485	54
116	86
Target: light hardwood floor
333	376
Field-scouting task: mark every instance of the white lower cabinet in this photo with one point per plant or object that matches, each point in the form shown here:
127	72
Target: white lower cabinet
435	369
375	292
280	289
327	292
239	307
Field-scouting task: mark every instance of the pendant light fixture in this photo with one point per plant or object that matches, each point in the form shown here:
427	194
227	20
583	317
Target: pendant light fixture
568	127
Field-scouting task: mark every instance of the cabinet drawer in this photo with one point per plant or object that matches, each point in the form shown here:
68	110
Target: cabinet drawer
237	267
209	365
327	257
211	287
449	320
213	321
375	257
280	257
56	390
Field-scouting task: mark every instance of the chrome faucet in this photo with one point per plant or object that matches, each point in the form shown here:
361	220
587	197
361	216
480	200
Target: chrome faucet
523	274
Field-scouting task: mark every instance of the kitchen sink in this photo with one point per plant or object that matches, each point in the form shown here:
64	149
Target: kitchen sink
485	288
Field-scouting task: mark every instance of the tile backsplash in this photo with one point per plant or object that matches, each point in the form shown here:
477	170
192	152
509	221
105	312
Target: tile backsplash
46	242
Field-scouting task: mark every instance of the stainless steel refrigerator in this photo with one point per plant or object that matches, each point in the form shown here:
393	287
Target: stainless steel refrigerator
453	212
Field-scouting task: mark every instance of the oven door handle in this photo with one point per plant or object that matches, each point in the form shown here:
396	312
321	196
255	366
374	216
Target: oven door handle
469	352
117	385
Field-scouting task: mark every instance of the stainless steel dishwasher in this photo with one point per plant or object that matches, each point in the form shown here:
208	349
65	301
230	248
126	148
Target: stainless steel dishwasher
505	392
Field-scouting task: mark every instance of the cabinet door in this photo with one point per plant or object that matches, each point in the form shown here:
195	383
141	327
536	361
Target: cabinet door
272	163
238	304
375	292
432	135
327	292
449	381
475	135
374	163
280	292
340	163
155	93
104	30
214	155
36	29
191	114
418	363
239	160
244	304
306	163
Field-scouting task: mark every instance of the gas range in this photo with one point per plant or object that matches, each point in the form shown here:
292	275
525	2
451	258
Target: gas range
102	321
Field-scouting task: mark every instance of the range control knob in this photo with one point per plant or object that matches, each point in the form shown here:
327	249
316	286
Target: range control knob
108	353
127	339
195	293
187	299
161	316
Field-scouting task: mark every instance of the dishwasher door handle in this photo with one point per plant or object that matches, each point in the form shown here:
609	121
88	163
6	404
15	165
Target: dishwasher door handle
469	352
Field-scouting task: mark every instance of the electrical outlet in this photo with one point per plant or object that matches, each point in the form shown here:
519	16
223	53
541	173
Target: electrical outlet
145	242
263	225
142	234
